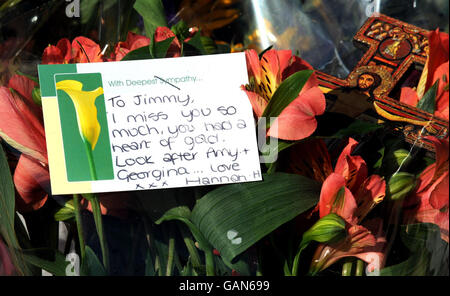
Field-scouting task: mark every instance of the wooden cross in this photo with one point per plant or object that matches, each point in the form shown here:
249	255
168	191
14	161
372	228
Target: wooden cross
395	55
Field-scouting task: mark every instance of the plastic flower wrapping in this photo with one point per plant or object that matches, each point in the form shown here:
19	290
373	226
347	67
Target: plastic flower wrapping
344	197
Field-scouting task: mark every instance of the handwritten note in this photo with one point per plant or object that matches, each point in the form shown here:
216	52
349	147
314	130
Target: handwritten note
167	123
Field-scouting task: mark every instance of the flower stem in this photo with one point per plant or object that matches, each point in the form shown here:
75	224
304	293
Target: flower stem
209	258
171	251
96	210
190	245
296	261
90	158
347	268
76	204
359	267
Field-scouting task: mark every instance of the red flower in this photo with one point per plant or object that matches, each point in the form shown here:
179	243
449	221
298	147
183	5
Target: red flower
21	126
436	69
297	121
163	33
429	203
351	194
81	50
134	41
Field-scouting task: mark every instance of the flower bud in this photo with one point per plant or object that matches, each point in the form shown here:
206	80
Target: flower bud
328	229
400	185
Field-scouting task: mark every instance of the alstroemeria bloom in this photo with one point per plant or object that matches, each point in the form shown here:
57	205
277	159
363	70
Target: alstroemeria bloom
350	193
436	69
429	203
21	126
133	42
84	102
81	50
297	121
312	159
364	241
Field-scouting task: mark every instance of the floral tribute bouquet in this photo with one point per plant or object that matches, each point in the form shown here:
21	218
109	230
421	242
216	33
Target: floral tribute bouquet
344	197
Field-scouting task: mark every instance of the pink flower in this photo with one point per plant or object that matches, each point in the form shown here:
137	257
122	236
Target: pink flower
429	203
297	121
436	69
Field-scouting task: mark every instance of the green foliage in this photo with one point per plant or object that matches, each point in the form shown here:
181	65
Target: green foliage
49	260
427	250
234	217
152	11
287	92
428	102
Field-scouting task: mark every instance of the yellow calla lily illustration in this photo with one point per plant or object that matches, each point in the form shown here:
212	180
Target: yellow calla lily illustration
84	102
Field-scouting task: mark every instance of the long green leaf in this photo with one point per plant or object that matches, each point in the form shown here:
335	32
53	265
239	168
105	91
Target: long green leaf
196	42
49	260
234	217
7	212
152	11
160	48
92	265
286	93
141	53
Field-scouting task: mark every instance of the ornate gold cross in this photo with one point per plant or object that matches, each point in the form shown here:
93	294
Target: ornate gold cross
395	54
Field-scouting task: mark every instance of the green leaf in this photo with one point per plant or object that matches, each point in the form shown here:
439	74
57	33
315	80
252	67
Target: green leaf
160	48
183	214
181	30
152	11
7	213
141	53
49	260
286	93
196	42
66	213
149	266
7	202
428	102
427	249
234	217
92	265
36	95
208	45
358	127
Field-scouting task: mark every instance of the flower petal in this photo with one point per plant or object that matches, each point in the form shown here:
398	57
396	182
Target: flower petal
59	54
409	96
32	182
371	193
298	120
353	168
442	96
84	50
439	196
253	65
19	126
438	53
336	198
258	103
163	33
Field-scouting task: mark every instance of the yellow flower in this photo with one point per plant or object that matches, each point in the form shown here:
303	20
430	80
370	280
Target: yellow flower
84	102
